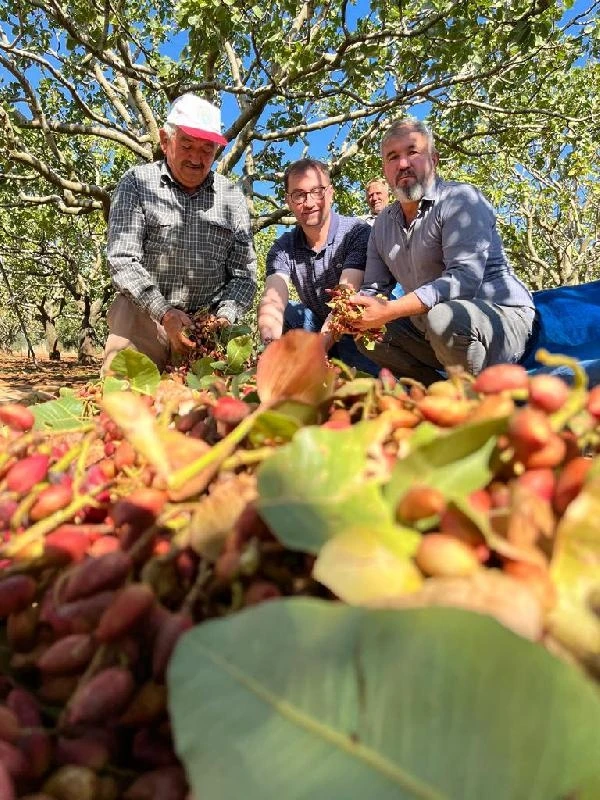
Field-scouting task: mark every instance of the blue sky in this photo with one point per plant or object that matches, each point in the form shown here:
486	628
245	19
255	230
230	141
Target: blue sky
320	139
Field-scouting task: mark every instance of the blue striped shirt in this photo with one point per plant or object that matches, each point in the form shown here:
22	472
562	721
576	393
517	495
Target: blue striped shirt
311	273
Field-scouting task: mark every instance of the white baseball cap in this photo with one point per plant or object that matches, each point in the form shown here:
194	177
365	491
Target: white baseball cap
197	118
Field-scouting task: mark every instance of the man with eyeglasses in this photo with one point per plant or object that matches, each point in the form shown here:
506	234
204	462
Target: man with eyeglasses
462	305
323	250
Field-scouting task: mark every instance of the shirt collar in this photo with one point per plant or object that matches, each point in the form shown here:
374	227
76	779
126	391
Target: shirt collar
432	191
334	222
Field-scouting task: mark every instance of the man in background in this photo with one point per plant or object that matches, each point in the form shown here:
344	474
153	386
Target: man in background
323	250
179	241
377	196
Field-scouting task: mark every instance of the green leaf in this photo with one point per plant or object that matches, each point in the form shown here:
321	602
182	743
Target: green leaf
238	352
137	369
575	571
234	331
238	381
65	413
202	367
316	486
423	434
456	463
303	413
204	382
367	566
112	384
355	388
307	699
272	427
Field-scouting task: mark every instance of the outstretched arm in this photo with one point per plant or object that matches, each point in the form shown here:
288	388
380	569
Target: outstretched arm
272	307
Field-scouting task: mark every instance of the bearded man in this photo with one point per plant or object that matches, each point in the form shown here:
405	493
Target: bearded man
462	304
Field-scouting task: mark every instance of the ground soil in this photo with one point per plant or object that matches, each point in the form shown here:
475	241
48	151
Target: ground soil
28	381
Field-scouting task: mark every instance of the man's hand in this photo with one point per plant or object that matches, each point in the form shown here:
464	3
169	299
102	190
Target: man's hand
174	322
376	314
268	335
328	340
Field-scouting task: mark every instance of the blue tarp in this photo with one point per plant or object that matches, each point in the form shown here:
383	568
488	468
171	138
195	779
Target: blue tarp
568	322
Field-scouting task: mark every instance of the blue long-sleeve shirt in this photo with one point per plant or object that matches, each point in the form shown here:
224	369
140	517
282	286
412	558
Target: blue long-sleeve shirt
451	250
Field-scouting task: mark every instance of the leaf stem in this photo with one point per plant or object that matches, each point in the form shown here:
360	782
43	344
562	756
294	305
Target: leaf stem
248	457
578	394
44	526
217	454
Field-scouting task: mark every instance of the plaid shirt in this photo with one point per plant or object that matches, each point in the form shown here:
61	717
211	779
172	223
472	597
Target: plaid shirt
168	248
311	273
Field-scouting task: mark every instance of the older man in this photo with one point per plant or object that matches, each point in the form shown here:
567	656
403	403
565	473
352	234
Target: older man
179	240
462	303
377	195
323	250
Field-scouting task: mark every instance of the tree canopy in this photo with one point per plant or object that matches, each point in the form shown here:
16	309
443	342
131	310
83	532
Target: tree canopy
510	88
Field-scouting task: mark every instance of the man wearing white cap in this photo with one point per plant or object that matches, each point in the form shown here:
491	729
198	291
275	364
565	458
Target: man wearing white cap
179	240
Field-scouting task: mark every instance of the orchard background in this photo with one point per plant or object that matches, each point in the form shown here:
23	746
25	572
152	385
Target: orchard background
511	90
431	558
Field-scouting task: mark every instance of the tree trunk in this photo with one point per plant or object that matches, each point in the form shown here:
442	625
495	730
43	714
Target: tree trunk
51	336
47	313
86	352
30	353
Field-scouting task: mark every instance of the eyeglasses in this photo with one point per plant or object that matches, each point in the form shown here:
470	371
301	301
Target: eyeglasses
317	193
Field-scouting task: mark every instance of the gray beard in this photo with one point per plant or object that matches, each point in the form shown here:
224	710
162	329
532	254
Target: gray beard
412	195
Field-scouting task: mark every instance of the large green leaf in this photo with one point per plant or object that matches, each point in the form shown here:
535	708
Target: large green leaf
238	352
457	463
575	571
317	486
65	413
137	369
307	700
